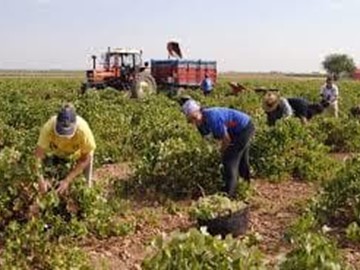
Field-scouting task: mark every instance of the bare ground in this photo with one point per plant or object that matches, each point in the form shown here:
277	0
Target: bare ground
120	171
274	208
128	252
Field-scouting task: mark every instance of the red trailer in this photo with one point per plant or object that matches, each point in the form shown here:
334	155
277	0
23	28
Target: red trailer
182	73
356	74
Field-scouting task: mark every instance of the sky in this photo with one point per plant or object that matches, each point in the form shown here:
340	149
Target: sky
241	35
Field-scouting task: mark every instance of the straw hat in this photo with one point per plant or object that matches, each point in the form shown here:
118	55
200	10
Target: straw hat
234	84
270	101
237	87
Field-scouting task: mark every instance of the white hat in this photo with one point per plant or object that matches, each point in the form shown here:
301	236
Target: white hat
190	106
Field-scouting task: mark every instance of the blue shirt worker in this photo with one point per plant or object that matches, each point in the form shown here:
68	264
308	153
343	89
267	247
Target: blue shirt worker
234	130
206	85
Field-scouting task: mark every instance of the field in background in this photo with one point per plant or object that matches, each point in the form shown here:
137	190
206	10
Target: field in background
271	75
223	75
41	74
149	163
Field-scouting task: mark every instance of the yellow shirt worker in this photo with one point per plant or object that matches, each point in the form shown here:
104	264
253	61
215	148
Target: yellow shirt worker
66	136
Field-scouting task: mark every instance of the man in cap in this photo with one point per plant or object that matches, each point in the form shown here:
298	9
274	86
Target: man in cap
329	92
234	130
64	137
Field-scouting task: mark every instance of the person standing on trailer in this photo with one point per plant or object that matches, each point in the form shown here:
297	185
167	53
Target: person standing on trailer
234	130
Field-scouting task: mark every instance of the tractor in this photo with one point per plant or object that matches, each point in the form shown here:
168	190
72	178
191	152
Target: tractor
123	70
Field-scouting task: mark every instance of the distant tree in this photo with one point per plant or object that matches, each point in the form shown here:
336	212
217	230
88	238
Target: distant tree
337	64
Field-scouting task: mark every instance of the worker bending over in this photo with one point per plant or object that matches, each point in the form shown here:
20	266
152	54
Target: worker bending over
234	130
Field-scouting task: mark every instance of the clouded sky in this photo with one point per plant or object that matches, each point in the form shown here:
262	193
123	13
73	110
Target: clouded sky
242	35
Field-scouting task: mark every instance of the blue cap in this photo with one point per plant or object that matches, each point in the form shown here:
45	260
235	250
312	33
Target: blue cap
66	121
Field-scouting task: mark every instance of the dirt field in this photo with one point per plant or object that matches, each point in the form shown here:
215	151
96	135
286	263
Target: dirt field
274	207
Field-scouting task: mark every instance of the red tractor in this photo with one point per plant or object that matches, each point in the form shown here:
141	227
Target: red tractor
122	69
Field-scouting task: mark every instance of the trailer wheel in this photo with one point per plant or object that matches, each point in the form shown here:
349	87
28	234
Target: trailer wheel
86	88
83	88
144	85
180	91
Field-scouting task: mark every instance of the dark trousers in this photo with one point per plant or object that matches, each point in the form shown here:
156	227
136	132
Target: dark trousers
235	160
207	93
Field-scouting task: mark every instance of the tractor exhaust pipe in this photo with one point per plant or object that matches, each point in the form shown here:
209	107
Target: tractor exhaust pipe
107	59
94	61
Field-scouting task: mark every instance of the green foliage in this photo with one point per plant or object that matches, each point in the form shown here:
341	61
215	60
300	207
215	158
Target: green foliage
339	201
214	206
29	246
179	169
339	63
197	250
100	213
37	243
18	193
342	135
289	150
353	232
157	119
312	251
106	113
16	189
311	248
306	223
169	157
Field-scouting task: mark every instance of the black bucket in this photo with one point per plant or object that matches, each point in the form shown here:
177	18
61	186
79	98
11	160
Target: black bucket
235	223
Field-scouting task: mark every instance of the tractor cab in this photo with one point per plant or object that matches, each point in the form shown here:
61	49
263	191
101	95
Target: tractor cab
123	59
115	64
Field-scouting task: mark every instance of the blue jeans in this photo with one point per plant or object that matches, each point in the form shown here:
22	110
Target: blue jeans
206	93
235	160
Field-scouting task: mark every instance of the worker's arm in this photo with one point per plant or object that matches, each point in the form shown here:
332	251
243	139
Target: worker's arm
39	157
335	94
304	120
80	166
40	152
225	142
269	119
219	131
322	90
204	131
287	108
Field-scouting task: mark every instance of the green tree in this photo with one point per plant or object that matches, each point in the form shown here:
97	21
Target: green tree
337	64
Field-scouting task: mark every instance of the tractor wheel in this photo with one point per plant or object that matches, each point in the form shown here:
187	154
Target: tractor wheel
144	85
